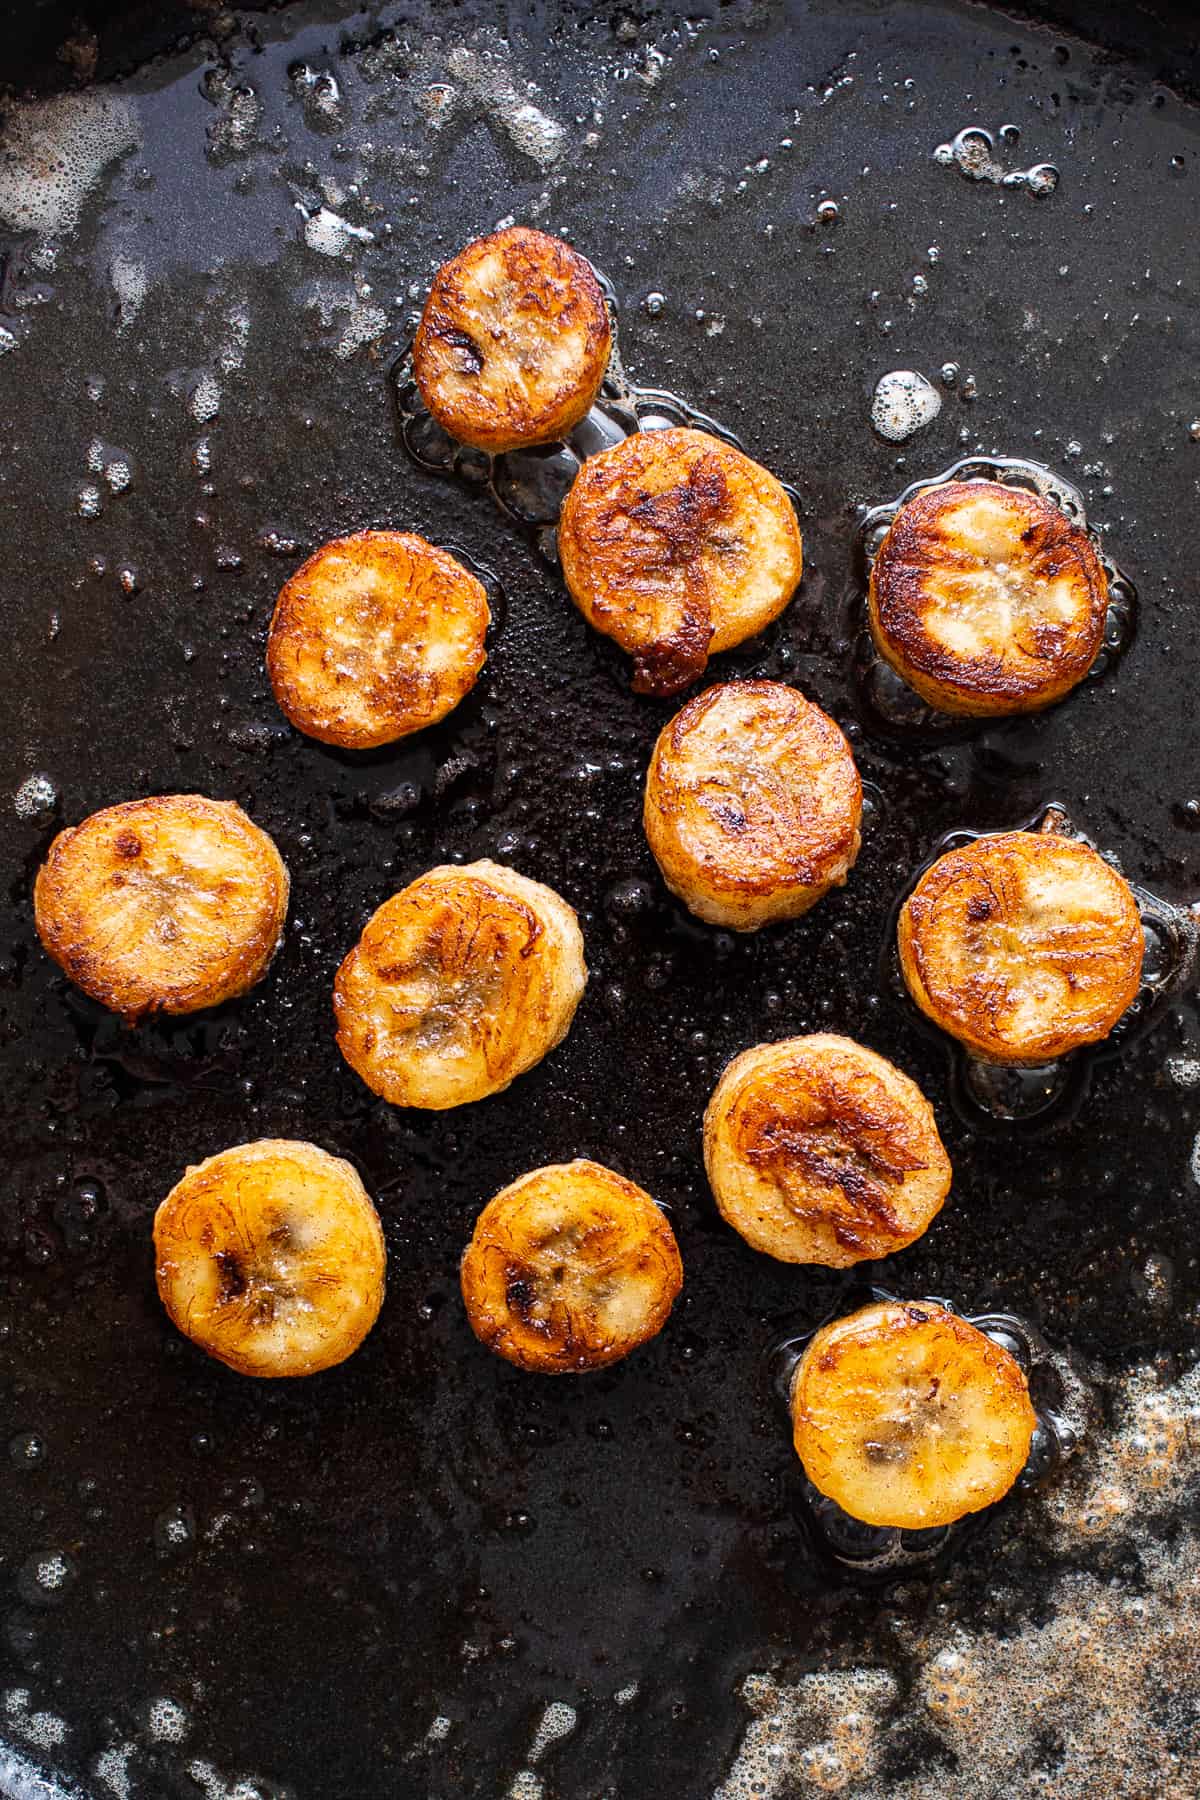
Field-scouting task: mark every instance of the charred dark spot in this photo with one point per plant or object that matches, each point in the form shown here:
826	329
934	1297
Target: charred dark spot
979	907
470	355
128	844
916	1316
233	1276
520	1295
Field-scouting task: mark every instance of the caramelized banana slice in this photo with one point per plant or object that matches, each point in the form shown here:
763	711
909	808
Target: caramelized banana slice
459	983
270	1256
987	599
678	546
514	340
819	1151
377	635
162	905
753	805
1023	946
570	1268
905	1415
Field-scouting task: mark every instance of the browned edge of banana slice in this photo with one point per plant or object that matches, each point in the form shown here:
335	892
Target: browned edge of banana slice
570	1268
1024	946
513	342
167	904
270	1257
676	545
459	983
753	804
820	1151
377	635
908	1416
987	599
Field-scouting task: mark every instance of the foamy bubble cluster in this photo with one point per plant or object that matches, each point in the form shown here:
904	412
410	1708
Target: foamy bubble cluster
558	1721
53	152
326	232
36	798
824	1733
167	1721
130	283
111	1769
204	401
482	81
904	403
42	1729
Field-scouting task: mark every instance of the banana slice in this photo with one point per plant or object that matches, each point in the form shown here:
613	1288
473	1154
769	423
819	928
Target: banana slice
678	546
377	635
570	1268
907	1416
753	805
270	1256
987	599
1023	946
162	905
819	1151
459	983
514	340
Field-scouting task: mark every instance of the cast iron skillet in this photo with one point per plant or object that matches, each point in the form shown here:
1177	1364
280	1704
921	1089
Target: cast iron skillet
316	1572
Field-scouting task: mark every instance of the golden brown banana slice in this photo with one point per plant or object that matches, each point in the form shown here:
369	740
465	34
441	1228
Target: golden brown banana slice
162	905
1023	945
677	546
514	340
906	1415
570	1268
458	984
819	1151
377	635
987	599
753	804
270	1256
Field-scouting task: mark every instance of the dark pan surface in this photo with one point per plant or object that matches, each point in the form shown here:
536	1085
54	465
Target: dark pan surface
317	1572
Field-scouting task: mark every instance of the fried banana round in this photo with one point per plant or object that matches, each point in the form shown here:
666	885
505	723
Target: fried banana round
459	983
513	342
820	1151
570	1268
1024	946
270	1257
677	546
376	636
908	1416
167	904
987	599
753	805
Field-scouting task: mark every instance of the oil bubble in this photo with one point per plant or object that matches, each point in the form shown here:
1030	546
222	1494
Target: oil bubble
27	1450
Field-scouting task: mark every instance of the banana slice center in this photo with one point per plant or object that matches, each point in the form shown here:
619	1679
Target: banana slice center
268	1276
921	1421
